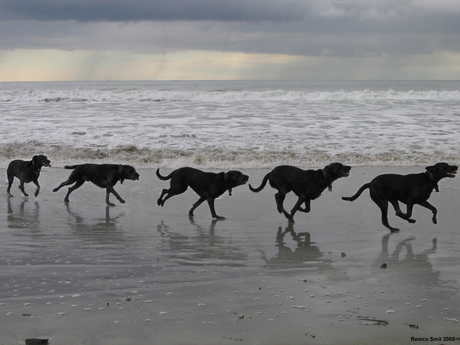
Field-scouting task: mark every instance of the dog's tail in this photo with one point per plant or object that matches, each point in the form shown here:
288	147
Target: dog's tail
358	193
70	166
264	182
164	178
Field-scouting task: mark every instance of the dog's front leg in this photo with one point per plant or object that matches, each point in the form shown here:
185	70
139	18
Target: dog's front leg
298	208
432	209
213	211
307	206
107	194
111	190
400	214
195	205
38	187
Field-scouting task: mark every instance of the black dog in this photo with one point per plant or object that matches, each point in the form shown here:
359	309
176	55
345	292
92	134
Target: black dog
26	171
306	184
207	185
409	189
102	175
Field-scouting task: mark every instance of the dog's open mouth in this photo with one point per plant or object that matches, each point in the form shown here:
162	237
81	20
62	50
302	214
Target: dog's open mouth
346	173
452	174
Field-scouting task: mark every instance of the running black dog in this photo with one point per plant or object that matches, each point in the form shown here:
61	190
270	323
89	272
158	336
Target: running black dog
409	189
207	185
102	175
306	184
26	171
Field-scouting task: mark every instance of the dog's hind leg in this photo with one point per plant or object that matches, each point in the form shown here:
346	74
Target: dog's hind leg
65	183
433	209
160	200
71	189
279	198
169	194
383	205
21	187
10	182
195	205
176	188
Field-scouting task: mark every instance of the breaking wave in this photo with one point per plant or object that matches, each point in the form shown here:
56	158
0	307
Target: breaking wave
218	158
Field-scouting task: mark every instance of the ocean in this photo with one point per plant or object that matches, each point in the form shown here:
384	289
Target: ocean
232	124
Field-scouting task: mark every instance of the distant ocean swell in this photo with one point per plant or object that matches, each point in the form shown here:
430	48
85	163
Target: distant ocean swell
96	96
218	158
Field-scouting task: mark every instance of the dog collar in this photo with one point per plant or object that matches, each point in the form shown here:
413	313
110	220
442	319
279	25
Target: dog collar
329	186
434	183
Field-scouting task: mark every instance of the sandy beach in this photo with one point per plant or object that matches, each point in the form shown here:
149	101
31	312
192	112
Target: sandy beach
137	273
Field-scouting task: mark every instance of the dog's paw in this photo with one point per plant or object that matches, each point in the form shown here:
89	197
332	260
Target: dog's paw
122	201
412	221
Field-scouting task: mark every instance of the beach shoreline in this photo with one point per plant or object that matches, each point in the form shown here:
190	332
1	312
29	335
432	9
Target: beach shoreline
137	273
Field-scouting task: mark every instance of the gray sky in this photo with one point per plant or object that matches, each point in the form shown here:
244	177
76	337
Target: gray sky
229	39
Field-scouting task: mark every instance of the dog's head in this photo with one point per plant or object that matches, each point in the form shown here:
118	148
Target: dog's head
234	178
336	170
127	172
41	161
441	170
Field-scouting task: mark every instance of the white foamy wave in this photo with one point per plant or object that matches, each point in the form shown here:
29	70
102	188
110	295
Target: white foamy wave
215	159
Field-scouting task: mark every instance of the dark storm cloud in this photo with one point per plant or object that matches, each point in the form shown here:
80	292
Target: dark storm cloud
326	16
294	27
147	10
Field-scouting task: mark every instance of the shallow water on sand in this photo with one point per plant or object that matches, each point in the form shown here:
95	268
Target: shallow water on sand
140	274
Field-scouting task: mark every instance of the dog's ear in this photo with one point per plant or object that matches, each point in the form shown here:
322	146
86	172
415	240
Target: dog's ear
121	169
228	176
330	170
35	160
432	168
222	176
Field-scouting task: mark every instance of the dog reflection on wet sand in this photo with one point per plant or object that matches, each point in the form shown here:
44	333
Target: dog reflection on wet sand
412	267
201	246
305	255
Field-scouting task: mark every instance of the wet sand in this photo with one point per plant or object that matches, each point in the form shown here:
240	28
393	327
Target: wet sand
140	274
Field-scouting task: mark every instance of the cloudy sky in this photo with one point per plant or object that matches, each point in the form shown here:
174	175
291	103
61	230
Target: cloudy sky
229	39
